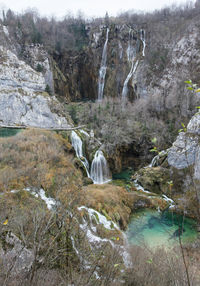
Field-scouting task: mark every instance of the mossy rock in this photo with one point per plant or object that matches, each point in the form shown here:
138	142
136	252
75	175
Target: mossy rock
79	165
87	181
154	179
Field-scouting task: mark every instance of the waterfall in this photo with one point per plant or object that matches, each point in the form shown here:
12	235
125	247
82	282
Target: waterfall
131	73
142	37
154	161
130	49
99	169
78	147
102	71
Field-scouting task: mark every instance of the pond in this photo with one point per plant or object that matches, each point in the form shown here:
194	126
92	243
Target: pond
8	132
124	175
153	229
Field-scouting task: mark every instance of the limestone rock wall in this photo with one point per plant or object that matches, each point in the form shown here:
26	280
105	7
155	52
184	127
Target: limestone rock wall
23	99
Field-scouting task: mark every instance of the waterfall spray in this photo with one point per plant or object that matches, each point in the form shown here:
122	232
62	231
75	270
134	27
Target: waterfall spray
78	147
99	169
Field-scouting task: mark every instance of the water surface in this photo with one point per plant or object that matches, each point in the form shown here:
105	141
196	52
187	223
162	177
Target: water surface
160	229
8	132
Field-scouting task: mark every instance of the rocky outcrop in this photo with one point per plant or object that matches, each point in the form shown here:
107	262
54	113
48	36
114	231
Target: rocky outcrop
37	57
23	100
14	254
186	149
82	67
154	179
180	178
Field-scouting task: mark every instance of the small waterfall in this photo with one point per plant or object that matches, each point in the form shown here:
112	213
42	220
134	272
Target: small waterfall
99	169
142	37
102	71
131	73
78	147
154	161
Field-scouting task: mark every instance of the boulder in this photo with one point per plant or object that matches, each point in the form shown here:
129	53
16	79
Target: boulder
154	179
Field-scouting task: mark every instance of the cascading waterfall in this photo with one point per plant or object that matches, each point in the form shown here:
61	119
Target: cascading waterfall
142	37
131	73
99	169
78	147
102	71
131	58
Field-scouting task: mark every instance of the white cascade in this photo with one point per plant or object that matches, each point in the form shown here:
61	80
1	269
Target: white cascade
131	73
142	37
78	147
154	161
130	49
99	169
102	71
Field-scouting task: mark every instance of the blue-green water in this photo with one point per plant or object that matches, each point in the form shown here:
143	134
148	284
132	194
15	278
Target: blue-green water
154	229
8	132
123	175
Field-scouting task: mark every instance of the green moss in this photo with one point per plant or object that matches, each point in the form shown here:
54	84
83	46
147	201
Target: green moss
106	214
97	217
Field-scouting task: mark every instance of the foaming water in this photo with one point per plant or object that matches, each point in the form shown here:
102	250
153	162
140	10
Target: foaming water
99	170
155	229
103	68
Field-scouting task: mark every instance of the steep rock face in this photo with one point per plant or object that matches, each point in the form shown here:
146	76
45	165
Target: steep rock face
81	68
37	57
165	60
184	162
185	150
22	97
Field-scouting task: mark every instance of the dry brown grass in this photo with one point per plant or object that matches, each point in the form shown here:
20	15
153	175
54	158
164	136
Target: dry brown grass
113	201
37	158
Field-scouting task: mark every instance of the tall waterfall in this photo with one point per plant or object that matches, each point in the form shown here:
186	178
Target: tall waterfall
131	73
102	71
78	147
142	37
99	169
130	49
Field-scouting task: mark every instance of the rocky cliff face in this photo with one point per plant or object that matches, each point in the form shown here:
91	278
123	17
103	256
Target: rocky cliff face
184	162
166	57
23	100
81	69
181	170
